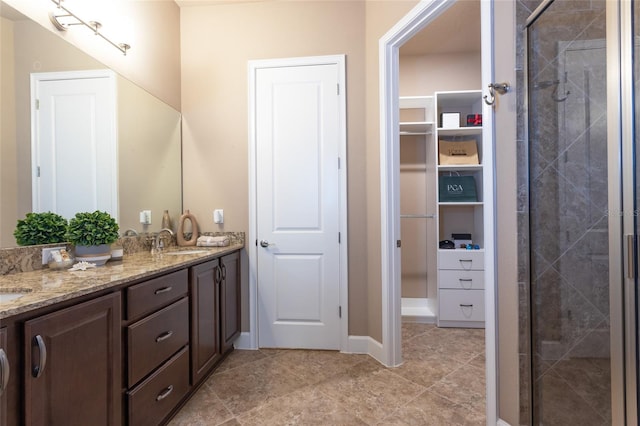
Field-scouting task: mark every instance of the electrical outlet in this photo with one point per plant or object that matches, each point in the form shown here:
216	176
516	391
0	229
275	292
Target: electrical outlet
218	216
46	252
145	217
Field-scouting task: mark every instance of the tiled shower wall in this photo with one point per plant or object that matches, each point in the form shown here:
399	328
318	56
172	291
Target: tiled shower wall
568	313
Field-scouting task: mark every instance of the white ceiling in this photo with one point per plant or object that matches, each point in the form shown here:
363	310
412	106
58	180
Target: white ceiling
456	30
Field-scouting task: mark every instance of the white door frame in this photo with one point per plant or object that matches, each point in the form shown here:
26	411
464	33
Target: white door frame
419	17
250	340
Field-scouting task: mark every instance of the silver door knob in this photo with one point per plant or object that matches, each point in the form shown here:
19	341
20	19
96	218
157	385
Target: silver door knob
265	243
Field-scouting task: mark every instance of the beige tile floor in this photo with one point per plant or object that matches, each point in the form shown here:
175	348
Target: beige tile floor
441	382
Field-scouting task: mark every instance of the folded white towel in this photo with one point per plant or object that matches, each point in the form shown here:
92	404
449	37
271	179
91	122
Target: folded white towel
210	241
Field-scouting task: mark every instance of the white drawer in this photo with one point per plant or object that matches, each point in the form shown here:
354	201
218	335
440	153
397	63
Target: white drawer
460	279
468	260
461	305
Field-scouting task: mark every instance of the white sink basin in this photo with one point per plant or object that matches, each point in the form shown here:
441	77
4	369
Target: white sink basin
7	297
181	252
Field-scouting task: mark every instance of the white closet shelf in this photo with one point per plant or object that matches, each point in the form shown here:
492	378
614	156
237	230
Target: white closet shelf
458	203
459	167
459	131
416	128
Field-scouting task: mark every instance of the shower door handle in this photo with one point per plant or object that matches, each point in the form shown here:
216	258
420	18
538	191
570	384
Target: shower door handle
631	246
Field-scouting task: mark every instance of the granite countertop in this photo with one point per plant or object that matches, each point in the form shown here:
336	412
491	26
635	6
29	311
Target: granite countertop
46	287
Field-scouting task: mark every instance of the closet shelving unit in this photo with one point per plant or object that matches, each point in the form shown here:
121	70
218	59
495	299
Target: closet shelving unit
460	271
416	137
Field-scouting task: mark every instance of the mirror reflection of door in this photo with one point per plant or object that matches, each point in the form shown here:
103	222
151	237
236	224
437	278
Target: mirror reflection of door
74	147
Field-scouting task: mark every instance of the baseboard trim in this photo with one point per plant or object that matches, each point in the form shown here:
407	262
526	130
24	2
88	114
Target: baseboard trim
356	345
365	345
244	341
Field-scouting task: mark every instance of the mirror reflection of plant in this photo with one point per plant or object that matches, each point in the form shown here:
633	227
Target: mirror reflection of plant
40	228
92	229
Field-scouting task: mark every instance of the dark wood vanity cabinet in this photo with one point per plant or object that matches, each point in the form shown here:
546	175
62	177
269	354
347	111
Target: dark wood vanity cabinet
132	356
230	300
215	312
5	375
72	365
157	341
205	324
10	380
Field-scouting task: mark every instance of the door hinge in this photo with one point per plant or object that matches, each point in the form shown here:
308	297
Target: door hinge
339	238
38	171
338	163
399	243
338	88
339	311
37	104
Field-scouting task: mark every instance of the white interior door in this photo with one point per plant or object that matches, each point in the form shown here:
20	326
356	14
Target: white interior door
74	143
298	137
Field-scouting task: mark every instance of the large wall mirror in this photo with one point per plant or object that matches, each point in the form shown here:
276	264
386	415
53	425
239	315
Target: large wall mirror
149	164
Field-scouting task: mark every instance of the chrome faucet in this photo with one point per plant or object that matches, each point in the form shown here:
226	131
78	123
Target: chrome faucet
158	245
129	232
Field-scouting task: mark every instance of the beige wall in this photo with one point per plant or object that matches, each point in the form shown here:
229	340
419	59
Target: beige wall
506	165
154	59
217	43
424	75
8	154
381	16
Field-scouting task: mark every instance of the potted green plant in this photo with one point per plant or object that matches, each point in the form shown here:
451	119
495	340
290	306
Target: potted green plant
92	233
40	228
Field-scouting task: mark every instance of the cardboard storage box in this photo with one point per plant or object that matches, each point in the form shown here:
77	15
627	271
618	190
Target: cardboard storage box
458	152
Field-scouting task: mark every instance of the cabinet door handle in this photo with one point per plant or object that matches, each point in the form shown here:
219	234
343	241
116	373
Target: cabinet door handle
164	336
224	272
165	393
4	371
218	275
163	290
466	306
42	361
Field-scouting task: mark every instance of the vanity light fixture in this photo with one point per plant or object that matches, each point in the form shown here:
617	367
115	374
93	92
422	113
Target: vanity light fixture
63	21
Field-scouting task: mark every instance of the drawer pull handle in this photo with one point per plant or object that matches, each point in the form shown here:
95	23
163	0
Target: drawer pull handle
42	361
466	306
470	264
466	283
4	371
163	290
164	336
165	393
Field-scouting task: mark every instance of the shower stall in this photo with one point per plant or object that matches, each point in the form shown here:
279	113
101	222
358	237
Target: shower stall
580	326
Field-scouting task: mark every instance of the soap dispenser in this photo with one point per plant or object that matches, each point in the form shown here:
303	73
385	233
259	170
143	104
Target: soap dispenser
166	220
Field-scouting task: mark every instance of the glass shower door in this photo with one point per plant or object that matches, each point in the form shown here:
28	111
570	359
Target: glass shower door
569	214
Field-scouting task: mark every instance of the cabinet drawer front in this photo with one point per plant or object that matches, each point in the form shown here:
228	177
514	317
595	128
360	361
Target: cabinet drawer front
461	279
461	259
461	305
153	294
152	400
155	338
